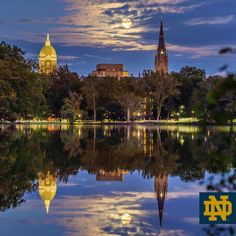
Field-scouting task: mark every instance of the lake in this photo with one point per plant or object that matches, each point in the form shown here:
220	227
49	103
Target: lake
112	180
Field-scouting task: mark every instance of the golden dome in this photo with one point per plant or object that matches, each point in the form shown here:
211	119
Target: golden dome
48	50
47	188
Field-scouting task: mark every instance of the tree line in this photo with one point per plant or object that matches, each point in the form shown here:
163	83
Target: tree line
26	94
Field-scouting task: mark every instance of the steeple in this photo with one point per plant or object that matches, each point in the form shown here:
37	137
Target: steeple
161	62
48	42
161	188
161	38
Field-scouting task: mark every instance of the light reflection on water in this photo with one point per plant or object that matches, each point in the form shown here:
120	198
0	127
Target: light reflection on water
110	180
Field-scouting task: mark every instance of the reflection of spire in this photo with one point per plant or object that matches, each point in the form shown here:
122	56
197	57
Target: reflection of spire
161	188
47	188
147	142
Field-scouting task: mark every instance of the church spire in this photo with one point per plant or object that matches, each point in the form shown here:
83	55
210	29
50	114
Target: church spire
161	63
161	38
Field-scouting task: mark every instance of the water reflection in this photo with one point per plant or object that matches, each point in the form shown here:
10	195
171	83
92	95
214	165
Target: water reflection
161	188
116	175
47	188
36	158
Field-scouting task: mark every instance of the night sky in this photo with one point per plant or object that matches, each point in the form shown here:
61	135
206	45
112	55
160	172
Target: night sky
88	32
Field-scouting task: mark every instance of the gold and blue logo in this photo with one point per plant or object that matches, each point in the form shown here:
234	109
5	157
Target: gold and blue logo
217	208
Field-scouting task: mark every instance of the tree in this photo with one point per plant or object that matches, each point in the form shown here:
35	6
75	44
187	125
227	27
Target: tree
127	95
91	92
189	79
21	88
160	88
222	99
58	87
71	107
114	111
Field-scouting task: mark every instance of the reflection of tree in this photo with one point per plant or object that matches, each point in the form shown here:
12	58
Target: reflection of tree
161	159
19	159
72	143
208	151
57	157
216	230
23	155
108	150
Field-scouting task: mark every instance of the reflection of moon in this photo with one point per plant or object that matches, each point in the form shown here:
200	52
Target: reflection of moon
126	219
127	23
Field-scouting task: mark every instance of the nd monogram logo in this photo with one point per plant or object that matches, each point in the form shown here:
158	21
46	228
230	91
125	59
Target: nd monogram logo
218	208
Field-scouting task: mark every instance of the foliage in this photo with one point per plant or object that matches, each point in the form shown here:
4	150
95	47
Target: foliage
71	108
127	95
58	88
190	79
91	92
21	88
25	94
160	88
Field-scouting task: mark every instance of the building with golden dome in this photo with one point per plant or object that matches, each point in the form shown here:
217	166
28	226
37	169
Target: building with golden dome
47	58
47	188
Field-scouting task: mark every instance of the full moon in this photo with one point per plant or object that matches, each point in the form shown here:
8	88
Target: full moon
126	219
127	23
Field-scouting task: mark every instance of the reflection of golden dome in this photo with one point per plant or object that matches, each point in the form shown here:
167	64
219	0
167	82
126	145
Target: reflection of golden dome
47	188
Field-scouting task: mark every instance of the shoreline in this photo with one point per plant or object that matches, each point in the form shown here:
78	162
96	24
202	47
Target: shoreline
132	123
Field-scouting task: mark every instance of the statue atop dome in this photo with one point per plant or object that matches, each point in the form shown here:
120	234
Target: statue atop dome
47	58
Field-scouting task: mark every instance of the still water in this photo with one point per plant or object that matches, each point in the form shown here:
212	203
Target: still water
111	180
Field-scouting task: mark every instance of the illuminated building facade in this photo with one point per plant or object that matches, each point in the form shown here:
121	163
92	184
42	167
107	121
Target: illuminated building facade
112	70
47	58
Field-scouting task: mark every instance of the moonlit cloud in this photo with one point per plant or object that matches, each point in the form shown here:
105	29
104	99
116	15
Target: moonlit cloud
98	23
196	51
86	215
211	20
94	27
68	57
